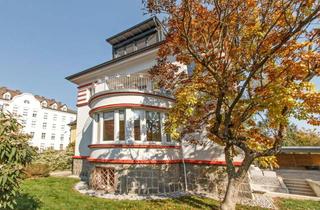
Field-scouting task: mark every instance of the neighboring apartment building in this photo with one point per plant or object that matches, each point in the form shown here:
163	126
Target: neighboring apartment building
46	120
121	144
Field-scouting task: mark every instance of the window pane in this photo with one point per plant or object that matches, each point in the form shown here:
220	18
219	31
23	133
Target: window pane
137	134
108	126
121	125
153	126
167	134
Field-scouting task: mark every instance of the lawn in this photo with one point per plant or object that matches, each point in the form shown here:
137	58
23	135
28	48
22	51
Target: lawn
57	193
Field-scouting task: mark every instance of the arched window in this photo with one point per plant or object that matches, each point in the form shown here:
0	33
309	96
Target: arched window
44	104
64	108
7	96
26	101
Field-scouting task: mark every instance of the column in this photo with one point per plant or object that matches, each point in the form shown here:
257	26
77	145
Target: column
143	123
129	122
116	125
163	133
100	117
94	139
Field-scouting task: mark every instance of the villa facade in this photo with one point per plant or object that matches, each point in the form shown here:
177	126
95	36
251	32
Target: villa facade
121	144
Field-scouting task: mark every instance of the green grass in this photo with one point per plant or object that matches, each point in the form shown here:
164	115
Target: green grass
286	204
54	193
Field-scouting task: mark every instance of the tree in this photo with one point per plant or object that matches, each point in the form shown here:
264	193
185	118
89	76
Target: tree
15	153
252	61
301	137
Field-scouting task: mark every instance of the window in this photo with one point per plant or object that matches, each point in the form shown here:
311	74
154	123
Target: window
15	110
43	135
61	146
121	125
23	122
64	108
52	146
54	126
63	118
108	126
25	112
153	126
53	136
34	114
26	101
168	136
33	124
45	116
32	134
62	127
61	137
136	125
42	147
54	106
44	104
44	125
55	117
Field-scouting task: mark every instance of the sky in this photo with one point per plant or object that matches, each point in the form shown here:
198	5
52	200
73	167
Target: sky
42	42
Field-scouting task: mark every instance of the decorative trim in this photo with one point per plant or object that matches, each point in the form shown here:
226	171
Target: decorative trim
129	93
140	146
85	85
190	161
82	99
115	161
80	157
83	104
115	106
83	94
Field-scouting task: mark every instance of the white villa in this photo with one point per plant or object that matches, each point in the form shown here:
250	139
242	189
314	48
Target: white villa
121	144
46	120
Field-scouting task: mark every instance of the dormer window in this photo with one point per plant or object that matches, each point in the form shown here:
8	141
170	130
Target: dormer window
64	108
54	106
44	104
7	96
26	101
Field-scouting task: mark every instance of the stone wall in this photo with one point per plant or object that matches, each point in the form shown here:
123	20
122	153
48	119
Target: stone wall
146	179
81	168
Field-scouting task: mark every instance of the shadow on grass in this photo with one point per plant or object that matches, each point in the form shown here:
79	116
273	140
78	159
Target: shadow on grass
195	202
27	201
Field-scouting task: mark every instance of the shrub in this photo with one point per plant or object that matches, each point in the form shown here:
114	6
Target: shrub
37	170
15	153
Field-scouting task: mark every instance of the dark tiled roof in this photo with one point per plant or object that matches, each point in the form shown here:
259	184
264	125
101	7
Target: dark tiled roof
50	102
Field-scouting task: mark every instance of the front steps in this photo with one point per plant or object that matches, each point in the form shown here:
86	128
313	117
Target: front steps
298	187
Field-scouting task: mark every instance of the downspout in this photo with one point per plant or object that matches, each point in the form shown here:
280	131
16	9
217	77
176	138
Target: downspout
184	168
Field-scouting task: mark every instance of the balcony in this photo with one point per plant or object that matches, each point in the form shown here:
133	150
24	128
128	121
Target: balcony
133	82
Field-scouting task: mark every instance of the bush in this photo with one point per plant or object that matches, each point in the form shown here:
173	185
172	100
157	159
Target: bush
15	153
37	170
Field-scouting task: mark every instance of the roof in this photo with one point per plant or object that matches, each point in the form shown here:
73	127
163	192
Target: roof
300	149
113	61
134	30
50	102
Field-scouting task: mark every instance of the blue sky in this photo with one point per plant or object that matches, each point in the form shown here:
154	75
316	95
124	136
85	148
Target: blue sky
42	42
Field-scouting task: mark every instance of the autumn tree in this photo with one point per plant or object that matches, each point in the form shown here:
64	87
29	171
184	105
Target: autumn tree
252	60
301	137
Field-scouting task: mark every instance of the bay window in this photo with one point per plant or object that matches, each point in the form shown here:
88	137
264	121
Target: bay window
122	125
136	125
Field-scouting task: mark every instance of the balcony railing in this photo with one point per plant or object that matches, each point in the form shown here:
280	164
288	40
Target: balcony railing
128	82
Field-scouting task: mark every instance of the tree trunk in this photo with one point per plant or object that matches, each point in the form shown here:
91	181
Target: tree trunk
231	195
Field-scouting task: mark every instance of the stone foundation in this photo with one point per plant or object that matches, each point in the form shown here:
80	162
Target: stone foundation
151	179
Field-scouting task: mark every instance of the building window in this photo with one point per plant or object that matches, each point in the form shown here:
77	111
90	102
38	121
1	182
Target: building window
23	122
136	125
45	116
44	125
43	135
32	134
62	127
26	101
64	108
42	147
108	126
44	104
52	146
63	118
153	126
61	146
54	106
168	136
34	114
55	117
54	126
61	137
25	112
122	117
53	136
33	124
15	110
